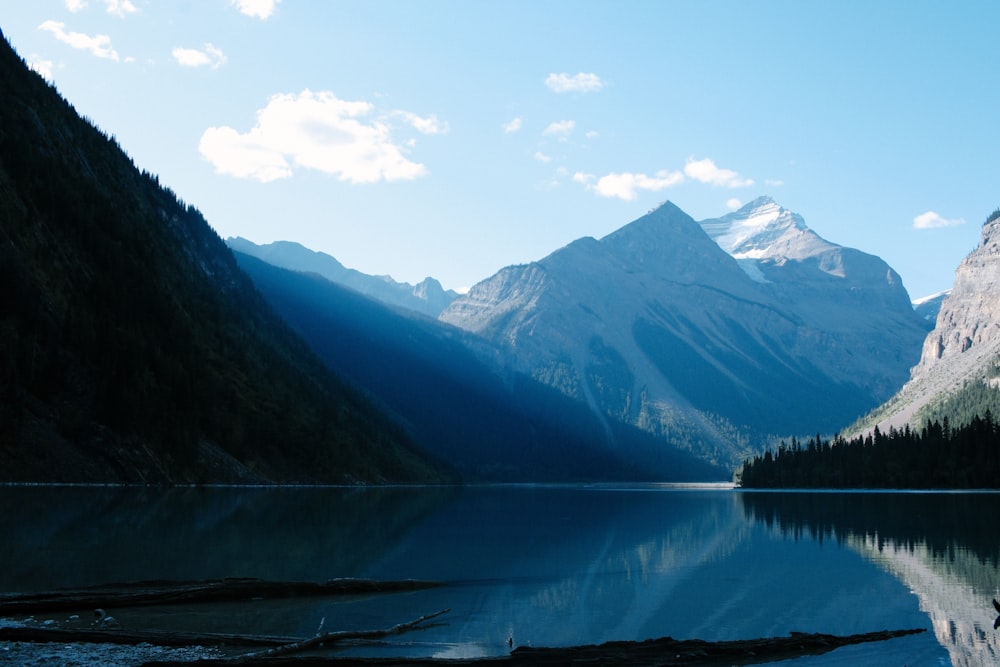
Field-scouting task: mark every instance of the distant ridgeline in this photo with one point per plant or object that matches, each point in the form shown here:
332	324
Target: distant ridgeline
935	457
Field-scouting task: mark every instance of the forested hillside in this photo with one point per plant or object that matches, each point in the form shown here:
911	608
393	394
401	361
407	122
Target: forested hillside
132	348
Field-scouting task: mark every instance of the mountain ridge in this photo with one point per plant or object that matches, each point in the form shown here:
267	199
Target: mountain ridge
427	296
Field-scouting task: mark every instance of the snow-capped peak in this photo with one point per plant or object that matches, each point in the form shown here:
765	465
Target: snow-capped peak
763	229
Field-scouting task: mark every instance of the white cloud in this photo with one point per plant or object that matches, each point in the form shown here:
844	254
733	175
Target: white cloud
75	6
581	82
513	125
774	182
98	45
733	204
314	131
542	157
707	172
625	185
260	9
210	55
931	219
591	134
43	67
562	128
119	7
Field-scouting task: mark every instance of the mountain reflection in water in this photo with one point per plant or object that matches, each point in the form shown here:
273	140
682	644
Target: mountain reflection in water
945	547
544	565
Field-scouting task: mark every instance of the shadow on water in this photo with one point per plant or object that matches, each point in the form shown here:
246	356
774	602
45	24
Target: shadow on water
79	536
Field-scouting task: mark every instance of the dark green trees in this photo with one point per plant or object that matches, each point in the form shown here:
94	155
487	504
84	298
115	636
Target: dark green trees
936	457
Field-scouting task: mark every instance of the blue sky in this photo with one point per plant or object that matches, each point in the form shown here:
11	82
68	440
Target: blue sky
451	138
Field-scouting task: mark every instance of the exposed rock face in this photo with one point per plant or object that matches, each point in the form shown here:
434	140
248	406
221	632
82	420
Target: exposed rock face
970	315
965	339
659	326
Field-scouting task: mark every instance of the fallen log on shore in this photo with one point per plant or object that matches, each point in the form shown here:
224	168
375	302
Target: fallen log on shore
144	593
136	637
664	652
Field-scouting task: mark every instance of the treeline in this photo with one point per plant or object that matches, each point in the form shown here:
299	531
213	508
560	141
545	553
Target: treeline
936	456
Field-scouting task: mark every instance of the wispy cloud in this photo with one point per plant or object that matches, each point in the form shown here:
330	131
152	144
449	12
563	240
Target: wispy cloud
932	219
513	125
542	157
260	9
98	45
583	82
208	55
706	171
626	185
561	128
733	203
119	8
75	6
774	182
314	131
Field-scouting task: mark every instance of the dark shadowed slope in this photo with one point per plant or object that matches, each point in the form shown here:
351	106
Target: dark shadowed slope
436	380
132	348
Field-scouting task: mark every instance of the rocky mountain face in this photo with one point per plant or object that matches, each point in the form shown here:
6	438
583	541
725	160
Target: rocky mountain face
427	296
712	335
962	350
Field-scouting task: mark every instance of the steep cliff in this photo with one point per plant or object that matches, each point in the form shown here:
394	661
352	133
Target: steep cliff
956	375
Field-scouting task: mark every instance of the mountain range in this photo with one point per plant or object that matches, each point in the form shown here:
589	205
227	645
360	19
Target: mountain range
710	335
136	346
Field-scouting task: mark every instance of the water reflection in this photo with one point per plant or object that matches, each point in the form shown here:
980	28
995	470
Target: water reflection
544	565
942	546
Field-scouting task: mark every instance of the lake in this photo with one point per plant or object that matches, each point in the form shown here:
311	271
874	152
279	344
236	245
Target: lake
545	566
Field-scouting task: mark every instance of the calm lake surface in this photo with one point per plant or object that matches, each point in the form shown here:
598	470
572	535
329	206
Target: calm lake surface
546	566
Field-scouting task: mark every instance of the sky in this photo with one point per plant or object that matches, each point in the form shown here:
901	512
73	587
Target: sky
451	138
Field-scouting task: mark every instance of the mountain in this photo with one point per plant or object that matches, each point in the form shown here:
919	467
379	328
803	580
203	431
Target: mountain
132	348
427	297
957	375
439	382
712	335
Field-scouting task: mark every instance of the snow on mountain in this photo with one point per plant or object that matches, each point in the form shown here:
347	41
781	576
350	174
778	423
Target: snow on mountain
764	231
929	306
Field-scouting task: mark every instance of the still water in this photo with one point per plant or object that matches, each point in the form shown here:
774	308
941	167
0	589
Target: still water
545	566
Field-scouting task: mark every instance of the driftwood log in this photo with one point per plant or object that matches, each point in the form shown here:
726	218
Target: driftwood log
145	593
135	637
665	652
334	637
